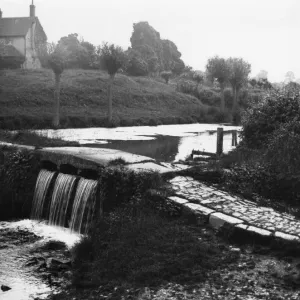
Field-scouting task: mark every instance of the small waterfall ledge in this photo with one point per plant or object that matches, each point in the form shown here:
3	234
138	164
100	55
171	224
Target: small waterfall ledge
65	200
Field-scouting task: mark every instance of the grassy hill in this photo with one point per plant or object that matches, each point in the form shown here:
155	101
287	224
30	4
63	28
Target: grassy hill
26	100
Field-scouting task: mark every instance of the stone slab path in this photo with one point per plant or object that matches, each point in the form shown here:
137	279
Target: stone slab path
220	207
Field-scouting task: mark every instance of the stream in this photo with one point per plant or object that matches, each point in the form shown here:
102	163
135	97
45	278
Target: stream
19	241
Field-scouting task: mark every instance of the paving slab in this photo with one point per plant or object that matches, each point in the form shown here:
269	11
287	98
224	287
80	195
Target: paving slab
217	220
178	200
149	166
100	156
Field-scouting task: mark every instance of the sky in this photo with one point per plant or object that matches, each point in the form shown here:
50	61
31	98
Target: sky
263	32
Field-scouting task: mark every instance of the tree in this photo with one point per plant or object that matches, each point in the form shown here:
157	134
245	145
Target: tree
217	69
289	77
263	74
166	76
239	71
112	59
57	61
198	76
147	41
253	82
153	65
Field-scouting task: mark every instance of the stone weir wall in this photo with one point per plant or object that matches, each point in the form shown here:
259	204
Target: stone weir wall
120	175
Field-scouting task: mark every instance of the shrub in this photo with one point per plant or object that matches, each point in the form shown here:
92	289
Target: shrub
260	121
166	75
283	149
18	176
137	67
119	185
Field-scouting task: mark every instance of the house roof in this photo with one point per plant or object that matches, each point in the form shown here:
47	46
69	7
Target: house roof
9	50
10	27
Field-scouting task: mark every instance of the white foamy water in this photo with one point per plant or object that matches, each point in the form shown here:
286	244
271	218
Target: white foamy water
13	273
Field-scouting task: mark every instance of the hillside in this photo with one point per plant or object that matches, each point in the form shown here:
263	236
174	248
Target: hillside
26	100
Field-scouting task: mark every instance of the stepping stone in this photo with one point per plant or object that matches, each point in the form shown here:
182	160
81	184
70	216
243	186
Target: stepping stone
217	220
286	236
178	200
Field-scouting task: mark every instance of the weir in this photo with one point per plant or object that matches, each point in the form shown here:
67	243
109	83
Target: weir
84	205
61	196
71	203
41	188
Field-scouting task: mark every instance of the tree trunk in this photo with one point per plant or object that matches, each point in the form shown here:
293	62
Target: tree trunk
56	119
109	98
222	99
235	99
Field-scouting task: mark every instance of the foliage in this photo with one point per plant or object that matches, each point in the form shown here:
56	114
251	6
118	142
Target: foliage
198	76
57	60
271	136
112	58
282	153
166	75
118	185
260	121
80	54
14	62
239	71
136	65
18	176
159	54
261	83
134	244
217	68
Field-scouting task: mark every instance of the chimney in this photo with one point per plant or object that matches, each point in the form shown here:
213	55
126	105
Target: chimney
0	13
32	10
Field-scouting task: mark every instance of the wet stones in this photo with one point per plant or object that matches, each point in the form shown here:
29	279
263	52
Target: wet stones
5	288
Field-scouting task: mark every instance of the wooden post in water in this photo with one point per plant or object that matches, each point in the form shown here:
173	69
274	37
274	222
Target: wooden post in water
219	141
234	138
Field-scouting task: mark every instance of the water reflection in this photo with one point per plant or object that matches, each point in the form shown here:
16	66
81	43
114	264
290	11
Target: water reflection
162	148
165	142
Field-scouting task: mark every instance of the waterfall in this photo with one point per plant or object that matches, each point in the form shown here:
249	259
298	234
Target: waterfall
84	205
41	188
60	205
61	196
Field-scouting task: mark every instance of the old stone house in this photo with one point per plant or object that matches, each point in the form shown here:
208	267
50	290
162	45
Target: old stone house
21	40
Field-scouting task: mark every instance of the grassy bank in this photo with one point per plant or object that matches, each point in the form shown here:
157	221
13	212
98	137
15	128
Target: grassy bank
32	139
26	100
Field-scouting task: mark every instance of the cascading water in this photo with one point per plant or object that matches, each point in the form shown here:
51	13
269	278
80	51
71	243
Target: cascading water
41	188
84	205
60	201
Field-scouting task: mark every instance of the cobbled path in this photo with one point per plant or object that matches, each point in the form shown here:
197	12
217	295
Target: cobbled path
221	207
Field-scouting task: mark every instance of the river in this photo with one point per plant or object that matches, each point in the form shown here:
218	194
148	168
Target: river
167	143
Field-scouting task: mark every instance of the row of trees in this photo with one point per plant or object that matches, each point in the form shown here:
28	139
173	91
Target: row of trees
111	58
233	71
148	54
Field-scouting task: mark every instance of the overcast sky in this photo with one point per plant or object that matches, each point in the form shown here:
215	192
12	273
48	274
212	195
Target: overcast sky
266	33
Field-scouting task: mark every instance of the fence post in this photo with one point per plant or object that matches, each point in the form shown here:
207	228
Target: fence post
234	138
219	141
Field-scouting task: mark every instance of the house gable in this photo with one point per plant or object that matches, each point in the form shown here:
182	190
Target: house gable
26	35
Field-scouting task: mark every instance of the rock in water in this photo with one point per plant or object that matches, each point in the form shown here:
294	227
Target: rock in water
5	288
